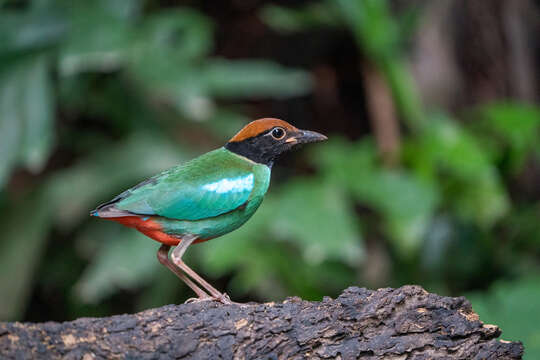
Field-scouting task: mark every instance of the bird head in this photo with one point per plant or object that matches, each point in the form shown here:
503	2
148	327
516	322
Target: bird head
264	140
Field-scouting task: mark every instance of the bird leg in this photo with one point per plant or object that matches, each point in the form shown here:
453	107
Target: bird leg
176	257
163	258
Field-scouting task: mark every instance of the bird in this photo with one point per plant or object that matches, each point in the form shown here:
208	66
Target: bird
206	197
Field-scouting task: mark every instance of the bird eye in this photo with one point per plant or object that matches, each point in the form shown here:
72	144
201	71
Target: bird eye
278	133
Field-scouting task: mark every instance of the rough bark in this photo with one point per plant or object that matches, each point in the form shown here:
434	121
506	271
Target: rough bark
404	323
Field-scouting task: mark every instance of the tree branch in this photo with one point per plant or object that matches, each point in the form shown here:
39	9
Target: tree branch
392	323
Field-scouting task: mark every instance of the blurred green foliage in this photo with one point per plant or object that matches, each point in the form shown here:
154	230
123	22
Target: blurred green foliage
513	307
144	76
117	91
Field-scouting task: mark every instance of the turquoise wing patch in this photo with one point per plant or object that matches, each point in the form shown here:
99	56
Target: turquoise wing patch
197	190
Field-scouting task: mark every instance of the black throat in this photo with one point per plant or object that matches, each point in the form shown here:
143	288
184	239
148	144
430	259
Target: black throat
260	149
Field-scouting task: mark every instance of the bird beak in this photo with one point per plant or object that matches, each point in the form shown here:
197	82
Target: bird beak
306	136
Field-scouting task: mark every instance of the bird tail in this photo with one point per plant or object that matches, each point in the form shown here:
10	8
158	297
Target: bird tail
109	210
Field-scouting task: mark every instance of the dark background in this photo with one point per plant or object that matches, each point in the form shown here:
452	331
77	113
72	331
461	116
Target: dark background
430	176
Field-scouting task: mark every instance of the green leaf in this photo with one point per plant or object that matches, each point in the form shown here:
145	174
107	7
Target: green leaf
454	149
514	125
372	25
191	88
317	217
253	79
99	41
525	228
405	201
21	32
10	122
343	161
449	154
513	307
517	123
483	200
26	124
274	271
184	32
162	289
36	114
170	78
406	204
24	234
406	96
289	20
122	9
126	260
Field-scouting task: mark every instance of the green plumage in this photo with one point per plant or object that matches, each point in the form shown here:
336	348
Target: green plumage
208	196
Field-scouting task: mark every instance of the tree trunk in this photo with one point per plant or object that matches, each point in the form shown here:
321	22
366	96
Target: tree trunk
404	323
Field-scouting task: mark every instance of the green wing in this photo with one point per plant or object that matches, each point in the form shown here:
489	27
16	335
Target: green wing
210	185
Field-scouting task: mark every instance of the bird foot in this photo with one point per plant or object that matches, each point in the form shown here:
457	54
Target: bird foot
224	299
196	300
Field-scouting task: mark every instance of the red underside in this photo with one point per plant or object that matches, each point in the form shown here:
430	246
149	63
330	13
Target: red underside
151	229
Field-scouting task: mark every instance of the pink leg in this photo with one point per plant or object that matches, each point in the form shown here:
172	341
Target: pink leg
163	257
176	257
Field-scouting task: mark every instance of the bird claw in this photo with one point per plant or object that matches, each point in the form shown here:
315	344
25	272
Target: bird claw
223	298
196	300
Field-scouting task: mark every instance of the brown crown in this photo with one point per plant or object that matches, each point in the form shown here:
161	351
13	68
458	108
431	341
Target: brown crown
257	127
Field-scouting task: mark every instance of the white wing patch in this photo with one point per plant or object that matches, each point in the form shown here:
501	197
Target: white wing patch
240	184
